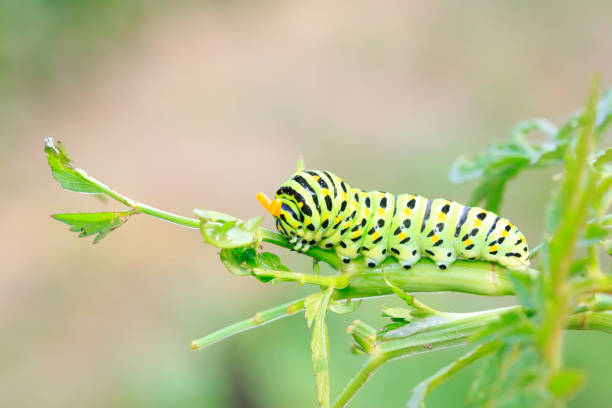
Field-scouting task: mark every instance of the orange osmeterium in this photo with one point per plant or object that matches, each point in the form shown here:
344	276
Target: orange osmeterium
272	206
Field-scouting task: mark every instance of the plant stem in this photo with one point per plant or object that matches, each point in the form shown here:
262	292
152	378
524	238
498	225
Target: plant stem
259	319
302	278
358	381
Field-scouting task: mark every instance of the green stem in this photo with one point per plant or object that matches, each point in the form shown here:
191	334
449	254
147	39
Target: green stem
600	321
315	252
301	278
259	319
359	380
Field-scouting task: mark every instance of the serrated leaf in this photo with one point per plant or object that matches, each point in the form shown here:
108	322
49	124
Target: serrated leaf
567	382
70	177
99	224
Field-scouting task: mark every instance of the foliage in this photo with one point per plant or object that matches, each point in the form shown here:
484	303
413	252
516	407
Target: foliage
520	346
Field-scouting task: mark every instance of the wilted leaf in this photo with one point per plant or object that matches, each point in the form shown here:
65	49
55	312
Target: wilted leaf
99	224
70	177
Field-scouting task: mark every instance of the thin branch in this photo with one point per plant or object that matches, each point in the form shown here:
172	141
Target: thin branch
259	319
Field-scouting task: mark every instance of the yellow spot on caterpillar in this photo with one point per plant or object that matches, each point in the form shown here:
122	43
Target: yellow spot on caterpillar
325	191
325	218
300	204
435	238
402	236
344	196
381	211
338	218
468	242
407	212
317	178
356	234
493	248
504	233
367	211
477	223
441	216
375	235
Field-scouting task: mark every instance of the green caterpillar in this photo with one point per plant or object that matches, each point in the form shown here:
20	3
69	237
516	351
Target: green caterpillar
319	208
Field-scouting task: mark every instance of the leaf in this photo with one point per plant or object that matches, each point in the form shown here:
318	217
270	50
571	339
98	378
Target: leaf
70	177
268	260
311	307
421	310
420	392
224	231
99	224
604	111
345	307
320	348
603	159
567	382
235	260
398	313
241	261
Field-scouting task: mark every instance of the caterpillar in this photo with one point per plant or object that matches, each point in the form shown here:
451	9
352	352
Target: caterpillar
319	208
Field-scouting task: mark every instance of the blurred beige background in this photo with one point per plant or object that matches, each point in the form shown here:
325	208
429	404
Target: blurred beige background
202	105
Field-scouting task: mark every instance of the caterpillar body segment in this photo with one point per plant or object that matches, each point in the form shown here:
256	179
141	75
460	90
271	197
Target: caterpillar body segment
318	208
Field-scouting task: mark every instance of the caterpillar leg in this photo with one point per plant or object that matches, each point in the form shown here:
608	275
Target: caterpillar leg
442	265
346	259
371	263
406	265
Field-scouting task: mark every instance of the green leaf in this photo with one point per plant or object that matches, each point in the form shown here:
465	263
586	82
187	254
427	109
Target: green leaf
224	231
604	158
320	348
241	261
421	310
345	307
99	224
237	260
527	291
214	216
420	392
567	382
604	111
311	307
70	177
268	260
398	313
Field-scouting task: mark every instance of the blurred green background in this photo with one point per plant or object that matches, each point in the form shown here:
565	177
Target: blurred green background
203	104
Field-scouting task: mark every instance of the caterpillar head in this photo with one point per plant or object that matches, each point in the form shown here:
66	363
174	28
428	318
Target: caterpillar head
282	208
